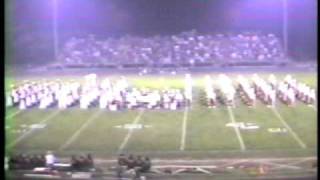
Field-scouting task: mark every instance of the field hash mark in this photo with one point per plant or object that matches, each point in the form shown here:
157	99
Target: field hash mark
242	146
294	135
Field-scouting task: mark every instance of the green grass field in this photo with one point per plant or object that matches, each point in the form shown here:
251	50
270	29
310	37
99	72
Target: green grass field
196	132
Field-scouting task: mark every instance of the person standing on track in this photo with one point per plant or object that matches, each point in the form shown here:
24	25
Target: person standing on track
50	160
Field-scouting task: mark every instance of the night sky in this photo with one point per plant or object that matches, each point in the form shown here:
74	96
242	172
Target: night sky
27	18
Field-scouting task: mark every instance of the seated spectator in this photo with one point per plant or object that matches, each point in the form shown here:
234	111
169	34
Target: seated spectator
82	163
138	161
13	162
122	160
131	162
74	162
29	162
138	166
34	161
23	161
90	162
122	163
43	160
40	161
146	165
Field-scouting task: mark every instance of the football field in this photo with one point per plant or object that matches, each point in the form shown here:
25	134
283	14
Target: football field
194	132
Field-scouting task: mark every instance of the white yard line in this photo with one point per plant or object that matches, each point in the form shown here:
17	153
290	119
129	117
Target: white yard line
126	139
14	114
242	146
184	129
77	133
51	116
294	135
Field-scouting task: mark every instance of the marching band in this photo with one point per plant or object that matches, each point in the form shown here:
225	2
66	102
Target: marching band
106	95
287	91
119	95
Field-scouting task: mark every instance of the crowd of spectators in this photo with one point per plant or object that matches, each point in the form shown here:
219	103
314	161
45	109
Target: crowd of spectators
133	164
29	162
184	48
26	162
79	163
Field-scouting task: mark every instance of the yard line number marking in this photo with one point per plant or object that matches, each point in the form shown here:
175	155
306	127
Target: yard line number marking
77	133
51	116
184	129
14	114
294	135
126	139
242	146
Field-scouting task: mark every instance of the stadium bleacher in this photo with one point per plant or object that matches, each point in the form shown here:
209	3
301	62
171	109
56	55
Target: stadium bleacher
185	48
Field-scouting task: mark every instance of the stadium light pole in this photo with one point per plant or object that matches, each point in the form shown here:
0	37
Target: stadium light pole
285	25
55	29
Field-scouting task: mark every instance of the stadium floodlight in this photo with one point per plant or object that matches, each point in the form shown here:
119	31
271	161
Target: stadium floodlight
55	28
285	25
